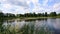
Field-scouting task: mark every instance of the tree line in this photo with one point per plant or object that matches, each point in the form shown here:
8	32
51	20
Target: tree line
52	14
6	15
9	15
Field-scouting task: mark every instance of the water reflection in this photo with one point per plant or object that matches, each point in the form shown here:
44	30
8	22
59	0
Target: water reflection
44	26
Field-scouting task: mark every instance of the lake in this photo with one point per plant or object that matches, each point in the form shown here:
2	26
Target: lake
38	26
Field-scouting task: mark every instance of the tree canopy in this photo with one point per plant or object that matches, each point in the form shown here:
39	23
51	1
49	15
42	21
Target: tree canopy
10	15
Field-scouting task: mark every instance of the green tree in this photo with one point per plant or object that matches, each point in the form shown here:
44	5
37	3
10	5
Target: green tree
39	14
42	14
59	14
46	14
53	14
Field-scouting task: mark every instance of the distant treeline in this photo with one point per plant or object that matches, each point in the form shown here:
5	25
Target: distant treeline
6	15
52	14
9	15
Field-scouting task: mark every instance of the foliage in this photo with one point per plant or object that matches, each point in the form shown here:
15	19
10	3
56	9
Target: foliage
25	29
53	14
10	16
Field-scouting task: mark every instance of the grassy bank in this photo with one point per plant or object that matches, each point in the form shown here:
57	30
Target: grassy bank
34	18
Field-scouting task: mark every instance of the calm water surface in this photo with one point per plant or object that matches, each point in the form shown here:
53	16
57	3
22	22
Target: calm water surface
51	24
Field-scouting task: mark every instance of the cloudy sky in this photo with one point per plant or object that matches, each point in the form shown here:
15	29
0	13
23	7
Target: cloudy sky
26	6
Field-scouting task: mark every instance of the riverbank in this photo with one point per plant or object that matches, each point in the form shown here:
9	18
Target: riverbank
28	18
34	18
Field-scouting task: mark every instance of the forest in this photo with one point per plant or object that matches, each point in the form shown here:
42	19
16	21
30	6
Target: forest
10	15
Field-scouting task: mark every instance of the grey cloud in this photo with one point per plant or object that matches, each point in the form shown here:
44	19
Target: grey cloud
19	3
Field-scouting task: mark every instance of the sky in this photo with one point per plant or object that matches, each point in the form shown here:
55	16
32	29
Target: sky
29	6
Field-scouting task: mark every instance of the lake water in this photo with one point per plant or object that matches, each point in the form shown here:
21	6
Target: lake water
49	24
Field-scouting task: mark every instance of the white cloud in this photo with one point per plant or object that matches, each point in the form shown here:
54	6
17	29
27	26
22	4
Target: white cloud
7	6
56	7
2	0
23	6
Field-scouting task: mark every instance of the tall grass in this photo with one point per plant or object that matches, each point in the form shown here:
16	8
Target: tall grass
26	29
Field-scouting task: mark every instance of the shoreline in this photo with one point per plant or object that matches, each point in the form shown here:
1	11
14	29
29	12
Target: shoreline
35	18
29	18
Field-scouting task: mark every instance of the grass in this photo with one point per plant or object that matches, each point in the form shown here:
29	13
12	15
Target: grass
26	29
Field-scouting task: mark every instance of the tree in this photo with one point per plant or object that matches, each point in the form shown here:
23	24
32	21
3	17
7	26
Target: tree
42	15
46	14
34	14
53	14
39	14
58	15
1	15
9	15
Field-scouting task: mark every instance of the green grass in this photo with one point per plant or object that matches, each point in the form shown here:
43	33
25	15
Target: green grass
34	18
